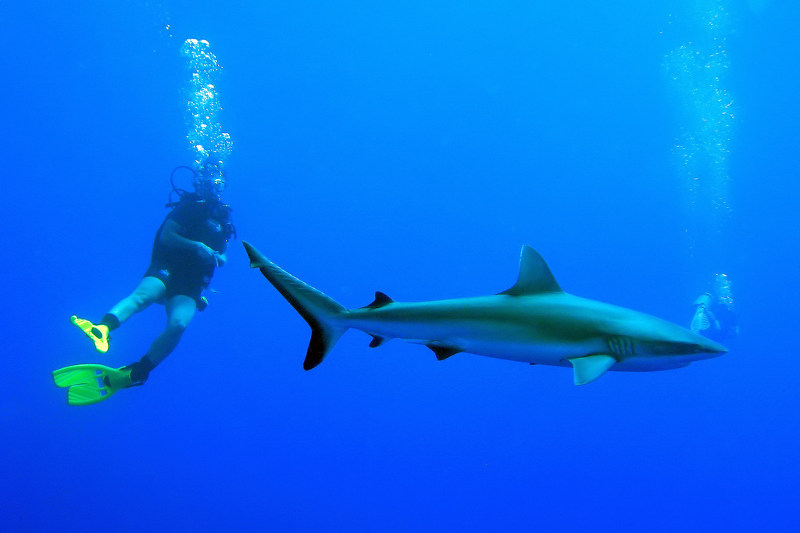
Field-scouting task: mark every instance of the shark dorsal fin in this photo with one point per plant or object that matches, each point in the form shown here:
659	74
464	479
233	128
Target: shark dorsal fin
534	275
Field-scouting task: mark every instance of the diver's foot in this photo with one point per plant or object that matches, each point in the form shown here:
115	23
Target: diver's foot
121	379
136	373
98	333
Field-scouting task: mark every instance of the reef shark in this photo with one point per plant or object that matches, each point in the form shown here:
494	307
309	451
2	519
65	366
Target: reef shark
534	321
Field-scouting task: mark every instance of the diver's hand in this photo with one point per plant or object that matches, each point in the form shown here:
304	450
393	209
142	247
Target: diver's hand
205	252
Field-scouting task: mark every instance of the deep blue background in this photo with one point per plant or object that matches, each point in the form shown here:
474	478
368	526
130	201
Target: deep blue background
407	147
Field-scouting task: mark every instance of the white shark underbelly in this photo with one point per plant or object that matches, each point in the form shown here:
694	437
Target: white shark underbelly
490	338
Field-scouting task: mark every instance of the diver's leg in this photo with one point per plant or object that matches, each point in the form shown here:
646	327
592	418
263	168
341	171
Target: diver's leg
180	311
149	290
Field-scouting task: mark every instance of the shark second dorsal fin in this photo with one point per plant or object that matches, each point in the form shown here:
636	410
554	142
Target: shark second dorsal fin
380	300
534	275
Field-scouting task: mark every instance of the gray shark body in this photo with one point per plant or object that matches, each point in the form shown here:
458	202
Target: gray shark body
534	322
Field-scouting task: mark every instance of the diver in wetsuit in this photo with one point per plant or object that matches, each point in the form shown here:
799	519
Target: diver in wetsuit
715	313
189	245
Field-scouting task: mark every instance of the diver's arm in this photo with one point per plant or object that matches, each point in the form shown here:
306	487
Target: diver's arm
171	237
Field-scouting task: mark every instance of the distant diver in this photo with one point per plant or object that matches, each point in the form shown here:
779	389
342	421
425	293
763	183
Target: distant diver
715	312
188	246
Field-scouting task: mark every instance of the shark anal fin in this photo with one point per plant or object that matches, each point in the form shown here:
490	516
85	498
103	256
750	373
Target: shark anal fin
380	301
376	341
589	368
442	352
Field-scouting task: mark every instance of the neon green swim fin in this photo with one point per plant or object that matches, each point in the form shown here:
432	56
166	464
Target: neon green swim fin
98	333
88	384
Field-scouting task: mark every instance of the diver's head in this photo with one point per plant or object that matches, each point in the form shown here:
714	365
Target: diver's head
209	181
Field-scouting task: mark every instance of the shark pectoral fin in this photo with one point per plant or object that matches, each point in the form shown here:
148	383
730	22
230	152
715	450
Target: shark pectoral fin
589	368
442	352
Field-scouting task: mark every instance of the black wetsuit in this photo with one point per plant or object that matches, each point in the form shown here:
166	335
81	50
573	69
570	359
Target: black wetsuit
183	271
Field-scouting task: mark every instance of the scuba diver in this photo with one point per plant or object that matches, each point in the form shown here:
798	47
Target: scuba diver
715	314
188	246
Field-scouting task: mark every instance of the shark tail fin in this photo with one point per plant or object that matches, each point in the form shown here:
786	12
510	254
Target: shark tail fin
322	312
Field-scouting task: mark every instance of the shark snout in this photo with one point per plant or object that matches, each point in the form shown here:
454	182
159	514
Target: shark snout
713	347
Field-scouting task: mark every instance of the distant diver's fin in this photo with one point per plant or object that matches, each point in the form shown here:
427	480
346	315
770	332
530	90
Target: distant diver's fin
380	301
88	384
534	275
700	321
377	341
97	333
323	313
589	368
442	352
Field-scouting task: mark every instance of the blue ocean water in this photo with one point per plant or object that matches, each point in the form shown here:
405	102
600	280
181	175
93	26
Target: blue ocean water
411	148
